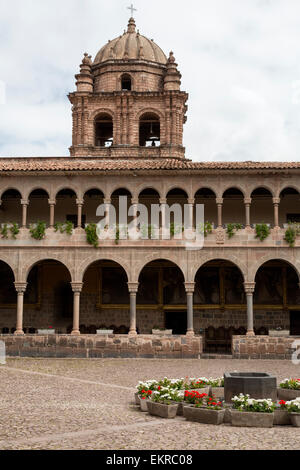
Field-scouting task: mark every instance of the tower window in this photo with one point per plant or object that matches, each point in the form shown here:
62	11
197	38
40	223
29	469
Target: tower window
149	130
126	83
103	131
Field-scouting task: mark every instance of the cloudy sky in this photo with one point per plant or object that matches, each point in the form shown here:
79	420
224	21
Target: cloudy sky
240	63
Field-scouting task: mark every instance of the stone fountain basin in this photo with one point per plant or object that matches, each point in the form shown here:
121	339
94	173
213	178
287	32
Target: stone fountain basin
255	384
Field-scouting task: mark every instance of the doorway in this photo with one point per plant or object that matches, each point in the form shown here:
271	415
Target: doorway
295	323
176	321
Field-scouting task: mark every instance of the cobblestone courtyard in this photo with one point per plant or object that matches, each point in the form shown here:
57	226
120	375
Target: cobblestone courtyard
88	404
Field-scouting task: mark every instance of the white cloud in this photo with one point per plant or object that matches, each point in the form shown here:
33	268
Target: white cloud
239	62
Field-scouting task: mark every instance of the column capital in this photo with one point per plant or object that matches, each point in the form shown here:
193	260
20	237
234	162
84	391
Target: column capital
51	202
219	200
134	201
249	287
77	286
25	202
20	287
163	200
79	202
133	287
189	287
191	201
276	200
247	200
107	200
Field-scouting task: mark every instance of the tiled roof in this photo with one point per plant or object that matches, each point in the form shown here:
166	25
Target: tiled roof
72	164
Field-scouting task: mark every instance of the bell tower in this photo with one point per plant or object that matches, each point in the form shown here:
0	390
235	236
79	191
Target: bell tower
128	102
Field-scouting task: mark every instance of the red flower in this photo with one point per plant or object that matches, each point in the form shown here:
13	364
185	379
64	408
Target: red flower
143	398
282	403
149	392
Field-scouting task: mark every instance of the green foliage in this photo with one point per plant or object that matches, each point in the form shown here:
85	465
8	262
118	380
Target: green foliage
232	229
4	231
14	229
262	231
205	228
147	231
67	227
38	230
117	235
91	234
175	229
290	236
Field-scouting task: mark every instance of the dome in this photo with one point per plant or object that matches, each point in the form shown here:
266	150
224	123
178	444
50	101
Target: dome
131	46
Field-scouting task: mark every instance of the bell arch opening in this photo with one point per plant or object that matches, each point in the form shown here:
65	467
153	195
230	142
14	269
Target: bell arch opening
149	130
104	129
126	82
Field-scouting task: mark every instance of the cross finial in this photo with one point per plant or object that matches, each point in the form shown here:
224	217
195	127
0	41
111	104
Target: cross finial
132	9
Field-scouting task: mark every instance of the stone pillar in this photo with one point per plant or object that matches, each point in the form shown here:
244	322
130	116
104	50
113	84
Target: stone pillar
107	203
219	201
191	203
163	202
25	204
134	203
189	288
76	288
79	203
133	288
276	202
20	288
52	207
249	289
247	202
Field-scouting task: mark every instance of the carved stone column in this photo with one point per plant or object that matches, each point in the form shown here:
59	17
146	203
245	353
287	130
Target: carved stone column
20	288
191	203
276	202
107	203
247	202
219	201
25	204
133	288
189	288
163	202
51	203
79	203
76	288
249	289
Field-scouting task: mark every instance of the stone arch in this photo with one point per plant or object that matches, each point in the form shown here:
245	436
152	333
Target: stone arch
214	190
35	188
150	110
121	78
182	187
119	186
233	186
12	188
33	260
98	111
194	268
137	269
272	257
66	186
144	186
258	186
86	263
287	186
7	261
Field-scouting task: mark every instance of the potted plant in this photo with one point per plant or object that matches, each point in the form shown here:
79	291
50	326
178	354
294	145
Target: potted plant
164	403
207	411
293	408
47	331
161	331
281	414
250	412
279	332
289	389
105	331
217	387
144	397
143	387
200	383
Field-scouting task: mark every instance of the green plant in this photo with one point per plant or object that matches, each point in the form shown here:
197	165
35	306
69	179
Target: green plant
4	231
291	384
117	235
66	227
232	229
14	229
175	229
91	234
290	236
38	230
205	228
262	231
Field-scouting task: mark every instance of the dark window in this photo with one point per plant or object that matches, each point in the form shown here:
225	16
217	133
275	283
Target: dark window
103	131
293	218
149	130
126	83
74	218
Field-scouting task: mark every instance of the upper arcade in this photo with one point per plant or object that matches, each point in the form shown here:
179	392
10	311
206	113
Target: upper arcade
128	101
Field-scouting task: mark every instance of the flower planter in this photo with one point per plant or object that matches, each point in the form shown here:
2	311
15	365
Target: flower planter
203	415
281	418
279	333
251	419
217	392
105	332
287	394
162	332
181	405
201	390
295	419
162	410
143	404
46	332
137	399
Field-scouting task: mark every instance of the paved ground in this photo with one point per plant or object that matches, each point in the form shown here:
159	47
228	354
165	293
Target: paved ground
88	404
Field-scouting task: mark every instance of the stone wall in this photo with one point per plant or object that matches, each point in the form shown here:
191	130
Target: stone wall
262	347
98	346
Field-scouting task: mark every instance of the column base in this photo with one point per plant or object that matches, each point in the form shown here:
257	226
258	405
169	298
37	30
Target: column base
250	333
75	333
132	333
19	333
190	333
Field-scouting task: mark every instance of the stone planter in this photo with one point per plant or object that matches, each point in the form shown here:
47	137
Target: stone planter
162	332
105	332
137	399
217	392
287	394
295	419
279	333
143	404
162	410
281	418
181	405
256	384
249	419
46	332
203	415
